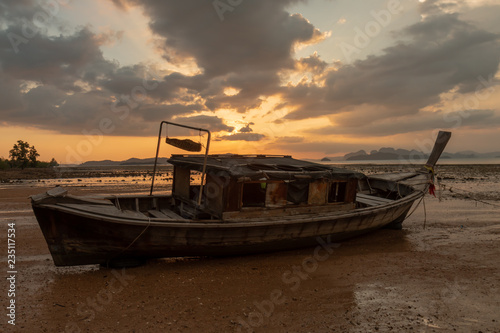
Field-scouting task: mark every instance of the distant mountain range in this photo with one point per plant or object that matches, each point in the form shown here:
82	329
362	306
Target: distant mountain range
130	161
374	155
404	154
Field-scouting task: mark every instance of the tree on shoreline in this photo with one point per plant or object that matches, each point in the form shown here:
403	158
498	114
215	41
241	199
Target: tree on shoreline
24	155
4	164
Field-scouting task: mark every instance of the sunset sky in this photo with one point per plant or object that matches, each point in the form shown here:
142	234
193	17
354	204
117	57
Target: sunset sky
91	80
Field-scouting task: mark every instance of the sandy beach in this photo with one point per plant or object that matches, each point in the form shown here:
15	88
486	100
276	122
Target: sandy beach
441	278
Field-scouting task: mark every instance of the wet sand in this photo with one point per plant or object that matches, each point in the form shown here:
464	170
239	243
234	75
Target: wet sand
444	278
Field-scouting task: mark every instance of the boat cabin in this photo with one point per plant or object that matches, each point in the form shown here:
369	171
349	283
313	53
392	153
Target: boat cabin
246	186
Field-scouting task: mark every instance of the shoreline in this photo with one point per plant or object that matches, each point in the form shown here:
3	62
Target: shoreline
480	181
11	175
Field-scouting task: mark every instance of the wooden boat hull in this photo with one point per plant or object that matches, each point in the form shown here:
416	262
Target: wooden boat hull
77	237
83	231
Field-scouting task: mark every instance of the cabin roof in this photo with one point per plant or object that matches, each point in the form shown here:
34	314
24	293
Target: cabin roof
257	167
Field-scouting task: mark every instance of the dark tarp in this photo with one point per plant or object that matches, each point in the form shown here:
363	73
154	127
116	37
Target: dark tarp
298	192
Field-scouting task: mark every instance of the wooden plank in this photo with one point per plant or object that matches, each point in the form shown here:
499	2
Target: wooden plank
181	182
372	200
369	202
105	210
257	212
170	214
395	177
233	194
350	194
187	210
441	142
213	192
318	194
157	214
276	195
375	198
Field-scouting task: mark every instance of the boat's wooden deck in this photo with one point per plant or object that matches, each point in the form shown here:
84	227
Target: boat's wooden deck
165	214
371	200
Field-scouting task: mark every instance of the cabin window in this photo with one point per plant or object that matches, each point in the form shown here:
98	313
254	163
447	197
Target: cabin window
254	194
337	192
272	194
194	184
276	194
195	178
186	183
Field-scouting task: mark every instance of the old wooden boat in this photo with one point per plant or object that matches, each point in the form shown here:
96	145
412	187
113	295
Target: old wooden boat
248	204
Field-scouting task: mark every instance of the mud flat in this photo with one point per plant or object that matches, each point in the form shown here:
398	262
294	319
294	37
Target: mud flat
444	278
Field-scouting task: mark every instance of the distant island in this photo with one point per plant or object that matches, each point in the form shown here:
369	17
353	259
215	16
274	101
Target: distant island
129	162
389	154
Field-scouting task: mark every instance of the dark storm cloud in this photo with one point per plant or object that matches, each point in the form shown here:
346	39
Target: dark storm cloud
441	53
73	86
43	80
246	51
245	134
16	10
212	123
63	83
257	35
251	86
57	61
418	122
10	96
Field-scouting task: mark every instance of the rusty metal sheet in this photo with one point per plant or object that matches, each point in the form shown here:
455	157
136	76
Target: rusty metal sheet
276	194
318	193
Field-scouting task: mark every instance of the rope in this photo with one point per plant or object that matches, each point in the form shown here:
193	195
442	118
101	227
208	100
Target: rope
425	212
468	194
132	243
414	209
142	232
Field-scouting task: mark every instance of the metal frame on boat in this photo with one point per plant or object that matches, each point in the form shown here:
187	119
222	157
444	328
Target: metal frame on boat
242	204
